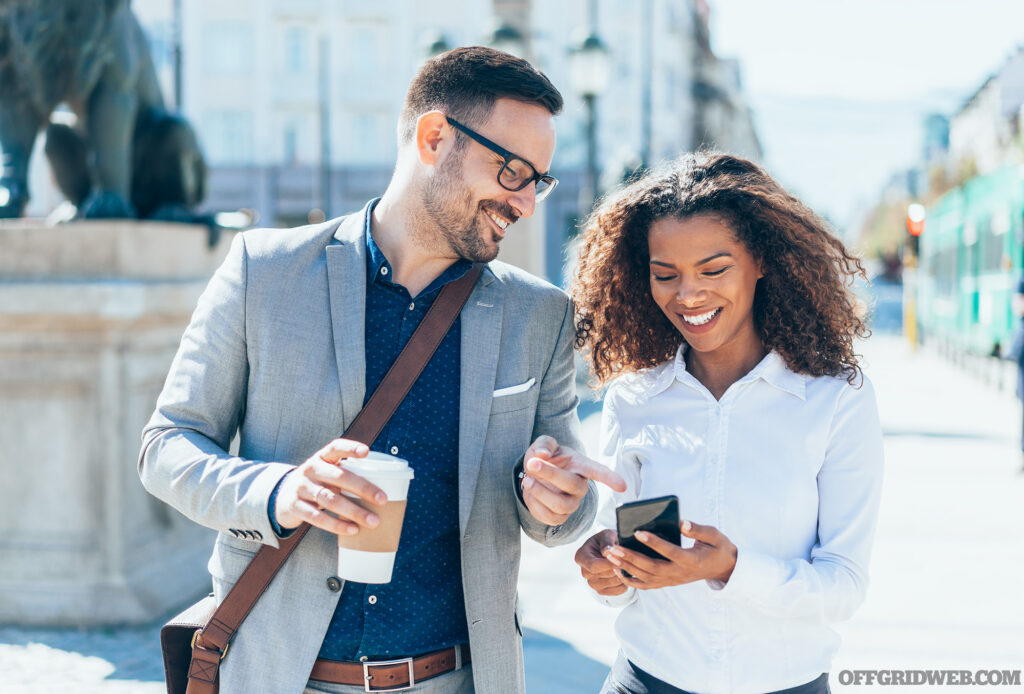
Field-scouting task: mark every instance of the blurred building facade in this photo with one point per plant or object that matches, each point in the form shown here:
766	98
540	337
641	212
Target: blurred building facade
296	101
982	130
983	136
936	139
960	271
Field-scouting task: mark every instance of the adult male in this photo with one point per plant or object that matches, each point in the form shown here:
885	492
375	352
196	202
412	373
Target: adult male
298	327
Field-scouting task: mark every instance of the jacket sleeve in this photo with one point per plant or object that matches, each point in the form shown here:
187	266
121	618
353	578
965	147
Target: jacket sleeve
833	583
184	460
556	417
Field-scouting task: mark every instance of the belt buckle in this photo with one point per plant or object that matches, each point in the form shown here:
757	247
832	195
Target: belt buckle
367	677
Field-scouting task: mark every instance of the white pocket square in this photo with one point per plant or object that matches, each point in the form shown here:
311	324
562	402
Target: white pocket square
512	390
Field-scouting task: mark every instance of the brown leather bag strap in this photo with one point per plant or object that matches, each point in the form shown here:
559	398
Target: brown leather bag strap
211	642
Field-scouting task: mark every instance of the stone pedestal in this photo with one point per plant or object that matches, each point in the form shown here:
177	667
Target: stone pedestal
90	317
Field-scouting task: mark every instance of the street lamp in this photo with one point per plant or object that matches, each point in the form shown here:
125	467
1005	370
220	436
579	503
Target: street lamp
505	37
178	30
589	72
434	44
324	112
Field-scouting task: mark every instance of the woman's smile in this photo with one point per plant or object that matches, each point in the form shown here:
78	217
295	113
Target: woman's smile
698	321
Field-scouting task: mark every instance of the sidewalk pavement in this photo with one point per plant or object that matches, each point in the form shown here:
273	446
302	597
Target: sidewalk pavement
947	575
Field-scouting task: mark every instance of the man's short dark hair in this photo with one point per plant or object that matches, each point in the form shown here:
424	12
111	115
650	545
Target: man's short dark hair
465	82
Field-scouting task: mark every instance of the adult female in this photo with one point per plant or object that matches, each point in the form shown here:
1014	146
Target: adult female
719	304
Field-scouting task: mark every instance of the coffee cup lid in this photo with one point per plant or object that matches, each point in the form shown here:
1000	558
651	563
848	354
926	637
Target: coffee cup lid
379	463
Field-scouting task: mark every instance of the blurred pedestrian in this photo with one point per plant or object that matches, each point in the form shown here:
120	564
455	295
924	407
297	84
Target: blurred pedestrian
294	332
718	306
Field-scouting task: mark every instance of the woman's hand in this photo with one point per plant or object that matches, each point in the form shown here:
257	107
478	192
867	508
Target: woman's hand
712	556
599	573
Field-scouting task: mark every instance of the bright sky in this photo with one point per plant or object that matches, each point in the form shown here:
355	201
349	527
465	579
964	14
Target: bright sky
840	88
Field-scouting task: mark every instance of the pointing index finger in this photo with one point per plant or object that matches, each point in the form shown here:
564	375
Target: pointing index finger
597	472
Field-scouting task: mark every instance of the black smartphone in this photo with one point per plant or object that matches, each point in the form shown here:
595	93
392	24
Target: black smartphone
657	516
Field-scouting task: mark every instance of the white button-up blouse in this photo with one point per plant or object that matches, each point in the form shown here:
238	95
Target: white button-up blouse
789	467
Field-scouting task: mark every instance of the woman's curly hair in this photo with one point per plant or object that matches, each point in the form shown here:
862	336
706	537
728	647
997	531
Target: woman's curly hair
803	306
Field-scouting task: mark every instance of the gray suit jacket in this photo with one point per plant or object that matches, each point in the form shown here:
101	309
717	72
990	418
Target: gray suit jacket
274	353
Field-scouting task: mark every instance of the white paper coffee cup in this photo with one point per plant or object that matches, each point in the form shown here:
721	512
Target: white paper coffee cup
369	555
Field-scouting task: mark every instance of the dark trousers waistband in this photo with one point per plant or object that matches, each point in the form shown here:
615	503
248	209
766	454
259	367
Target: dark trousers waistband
630	679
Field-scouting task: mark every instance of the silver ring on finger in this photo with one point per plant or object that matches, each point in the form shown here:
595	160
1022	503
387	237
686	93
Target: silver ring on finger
316	498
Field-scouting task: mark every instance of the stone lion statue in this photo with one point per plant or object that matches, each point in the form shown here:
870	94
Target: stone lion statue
126	156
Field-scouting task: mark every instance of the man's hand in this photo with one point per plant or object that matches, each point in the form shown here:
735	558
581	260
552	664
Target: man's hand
556	480
312	492
598	572
713	556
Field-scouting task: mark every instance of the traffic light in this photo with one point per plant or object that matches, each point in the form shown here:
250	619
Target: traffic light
915	225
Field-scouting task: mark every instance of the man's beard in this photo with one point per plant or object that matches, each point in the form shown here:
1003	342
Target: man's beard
460	223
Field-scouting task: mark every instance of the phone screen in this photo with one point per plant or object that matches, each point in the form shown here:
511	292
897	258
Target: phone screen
657	516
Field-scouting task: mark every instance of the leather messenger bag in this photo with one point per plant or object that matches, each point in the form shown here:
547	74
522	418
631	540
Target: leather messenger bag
196	641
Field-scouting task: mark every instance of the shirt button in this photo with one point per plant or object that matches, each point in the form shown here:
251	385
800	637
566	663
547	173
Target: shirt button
372	599
384	270
412	306
394	450
333	584
363	658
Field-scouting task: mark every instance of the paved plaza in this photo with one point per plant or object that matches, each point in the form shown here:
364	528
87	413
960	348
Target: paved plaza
947	577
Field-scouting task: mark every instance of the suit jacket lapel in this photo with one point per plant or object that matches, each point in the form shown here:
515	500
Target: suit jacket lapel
346	279
481	335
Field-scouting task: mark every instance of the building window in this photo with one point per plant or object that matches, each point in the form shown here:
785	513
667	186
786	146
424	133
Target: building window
227	137
364	60
296	50
161	44
291	144
992	234
226	48
365	139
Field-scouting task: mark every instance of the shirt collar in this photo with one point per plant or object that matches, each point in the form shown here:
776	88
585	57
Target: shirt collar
375	259
772	370
665	374
378	269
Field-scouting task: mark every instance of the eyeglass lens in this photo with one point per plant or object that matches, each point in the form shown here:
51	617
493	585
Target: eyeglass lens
516	174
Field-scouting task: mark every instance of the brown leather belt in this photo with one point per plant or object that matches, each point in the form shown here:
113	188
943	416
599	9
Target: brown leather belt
391	675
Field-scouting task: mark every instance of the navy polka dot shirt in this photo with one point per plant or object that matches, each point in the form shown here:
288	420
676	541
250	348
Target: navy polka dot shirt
422	609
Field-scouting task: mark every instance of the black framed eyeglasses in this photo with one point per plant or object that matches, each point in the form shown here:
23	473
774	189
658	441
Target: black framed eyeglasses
516	173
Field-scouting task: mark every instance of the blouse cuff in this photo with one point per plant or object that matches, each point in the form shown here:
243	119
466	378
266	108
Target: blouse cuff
753	574
615	600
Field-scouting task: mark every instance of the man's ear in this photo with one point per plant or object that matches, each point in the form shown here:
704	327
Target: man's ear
432	137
